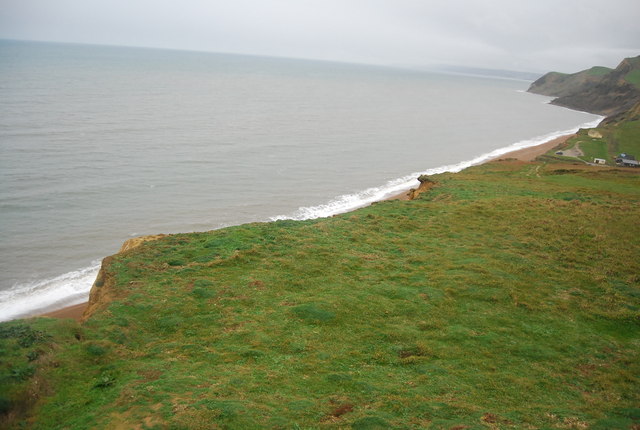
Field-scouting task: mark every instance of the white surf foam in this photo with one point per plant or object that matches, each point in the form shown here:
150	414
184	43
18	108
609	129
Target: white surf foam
348	202
73	288
34	298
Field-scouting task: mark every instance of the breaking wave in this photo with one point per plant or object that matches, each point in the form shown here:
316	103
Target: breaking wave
34	298
348	202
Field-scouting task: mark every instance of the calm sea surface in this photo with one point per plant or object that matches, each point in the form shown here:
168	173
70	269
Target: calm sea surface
99	144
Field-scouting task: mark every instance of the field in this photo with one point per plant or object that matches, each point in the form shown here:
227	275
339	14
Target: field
508	296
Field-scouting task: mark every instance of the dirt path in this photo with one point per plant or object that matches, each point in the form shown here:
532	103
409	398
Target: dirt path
574	151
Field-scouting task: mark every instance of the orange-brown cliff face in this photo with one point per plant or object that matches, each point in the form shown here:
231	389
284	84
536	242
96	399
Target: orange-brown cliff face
102	290
425	185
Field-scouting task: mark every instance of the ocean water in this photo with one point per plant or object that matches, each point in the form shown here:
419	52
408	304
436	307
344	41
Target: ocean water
100	144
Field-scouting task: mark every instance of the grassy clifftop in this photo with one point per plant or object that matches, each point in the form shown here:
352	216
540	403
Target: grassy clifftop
507	296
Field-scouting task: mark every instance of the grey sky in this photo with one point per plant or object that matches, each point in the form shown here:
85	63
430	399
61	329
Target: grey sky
541	35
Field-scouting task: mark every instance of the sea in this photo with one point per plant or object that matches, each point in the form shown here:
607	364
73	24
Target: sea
100	144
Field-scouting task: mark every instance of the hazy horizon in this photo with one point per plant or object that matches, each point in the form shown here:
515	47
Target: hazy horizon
445	68
534	37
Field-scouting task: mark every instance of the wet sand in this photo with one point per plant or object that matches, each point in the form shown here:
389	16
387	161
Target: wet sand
74	312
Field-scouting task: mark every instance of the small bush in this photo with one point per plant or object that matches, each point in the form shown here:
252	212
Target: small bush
169	324
338	378
223	409
632	413
202	283
202	293
176	262
121	321
105	380
252	353
96	350
201	289
25	335
313	313
5	405
613	423
22	373
370	423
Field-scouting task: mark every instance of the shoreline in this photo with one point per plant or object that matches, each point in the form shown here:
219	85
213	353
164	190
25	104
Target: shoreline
527	154
530	153
524	154
74	312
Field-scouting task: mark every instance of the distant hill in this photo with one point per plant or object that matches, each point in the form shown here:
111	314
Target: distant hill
487	73
599	90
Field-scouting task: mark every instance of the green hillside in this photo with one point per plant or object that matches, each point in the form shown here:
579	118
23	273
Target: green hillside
633	78
616	134
599	90
599	71
507	296
633	75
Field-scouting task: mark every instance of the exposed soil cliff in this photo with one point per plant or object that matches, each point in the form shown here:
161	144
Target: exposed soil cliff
102	292
426	183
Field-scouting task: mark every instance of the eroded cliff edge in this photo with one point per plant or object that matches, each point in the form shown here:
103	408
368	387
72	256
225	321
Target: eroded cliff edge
102	289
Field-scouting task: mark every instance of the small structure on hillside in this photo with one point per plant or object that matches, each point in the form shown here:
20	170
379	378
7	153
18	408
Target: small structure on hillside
627	160
599	161
628	163
594	134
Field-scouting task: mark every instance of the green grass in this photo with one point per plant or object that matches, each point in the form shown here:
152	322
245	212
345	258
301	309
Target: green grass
594	148
599	71
633	77
506	297
626	138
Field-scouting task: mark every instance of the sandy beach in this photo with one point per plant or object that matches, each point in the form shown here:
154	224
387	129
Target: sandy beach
74	312
529	154
525	154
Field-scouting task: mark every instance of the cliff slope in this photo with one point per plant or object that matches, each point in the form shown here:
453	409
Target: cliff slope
599	89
